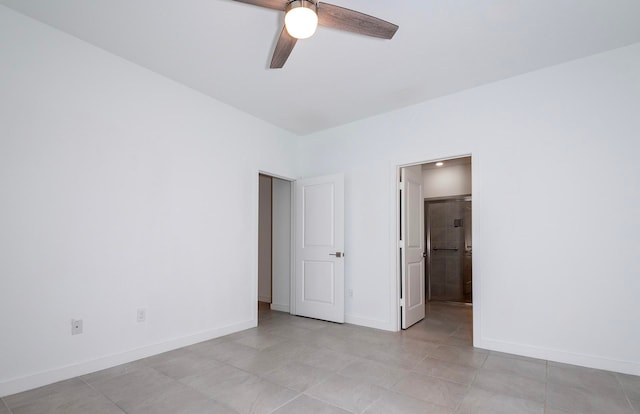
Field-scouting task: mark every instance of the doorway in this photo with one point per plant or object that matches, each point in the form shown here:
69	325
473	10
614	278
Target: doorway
274	244
307	280
434	201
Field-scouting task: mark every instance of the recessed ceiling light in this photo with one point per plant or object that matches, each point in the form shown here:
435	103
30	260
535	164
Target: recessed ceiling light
439	164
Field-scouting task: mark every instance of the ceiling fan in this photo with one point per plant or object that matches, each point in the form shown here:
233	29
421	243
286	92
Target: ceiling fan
303	16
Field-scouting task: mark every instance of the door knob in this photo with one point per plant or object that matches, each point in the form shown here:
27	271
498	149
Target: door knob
424	254
337	254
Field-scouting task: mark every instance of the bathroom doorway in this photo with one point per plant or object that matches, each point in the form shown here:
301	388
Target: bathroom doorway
448	238
434	236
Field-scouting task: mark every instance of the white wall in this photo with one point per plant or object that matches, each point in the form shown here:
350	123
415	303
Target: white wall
119	189
447	181
264	238
556	193
281	245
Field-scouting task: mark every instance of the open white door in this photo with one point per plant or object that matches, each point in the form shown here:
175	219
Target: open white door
412	246
319	251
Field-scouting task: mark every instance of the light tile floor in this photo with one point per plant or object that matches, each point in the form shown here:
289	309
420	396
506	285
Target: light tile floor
296	365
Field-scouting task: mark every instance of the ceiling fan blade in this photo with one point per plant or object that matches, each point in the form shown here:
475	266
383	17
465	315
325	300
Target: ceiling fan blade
285	45
349	20
269	4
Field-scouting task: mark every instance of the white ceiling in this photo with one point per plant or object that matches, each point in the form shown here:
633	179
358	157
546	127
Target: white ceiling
222	48
447	163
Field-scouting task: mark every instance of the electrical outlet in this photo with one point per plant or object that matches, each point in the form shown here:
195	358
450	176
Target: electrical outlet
142	315
350	291
76	326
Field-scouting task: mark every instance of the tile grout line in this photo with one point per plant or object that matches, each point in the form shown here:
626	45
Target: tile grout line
286	402
176	380
103	394
413	369
468	386
473	380
546	384
624	391
260	377
263	377
364	410
6	405
325	401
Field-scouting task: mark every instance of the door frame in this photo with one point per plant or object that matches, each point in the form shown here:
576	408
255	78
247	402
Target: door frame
395	290
256	216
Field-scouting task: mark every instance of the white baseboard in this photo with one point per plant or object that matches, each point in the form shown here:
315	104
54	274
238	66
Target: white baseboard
280	308
369	323
590	361
40	379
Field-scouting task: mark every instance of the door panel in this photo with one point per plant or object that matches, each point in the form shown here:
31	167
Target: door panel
318	213
416	285
412	234
413	193
318	282
319	275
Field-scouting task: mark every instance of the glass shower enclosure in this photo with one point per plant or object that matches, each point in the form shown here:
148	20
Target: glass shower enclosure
448	241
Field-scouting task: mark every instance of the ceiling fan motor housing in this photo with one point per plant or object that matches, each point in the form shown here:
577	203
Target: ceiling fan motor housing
307	4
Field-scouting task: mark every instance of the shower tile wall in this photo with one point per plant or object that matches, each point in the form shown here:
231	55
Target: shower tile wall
449	264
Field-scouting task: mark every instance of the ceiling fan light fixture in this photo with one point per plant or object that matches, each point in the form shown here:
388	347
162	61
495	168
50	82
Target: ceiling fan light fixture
301	18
